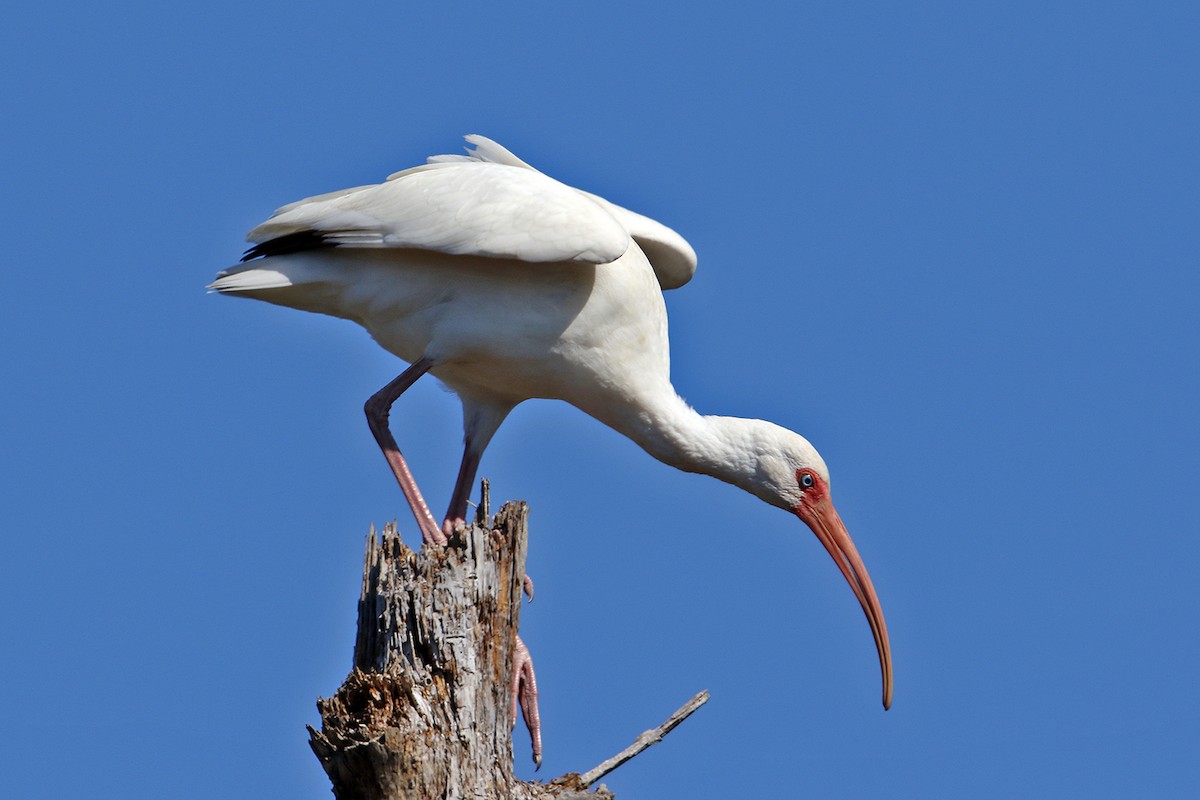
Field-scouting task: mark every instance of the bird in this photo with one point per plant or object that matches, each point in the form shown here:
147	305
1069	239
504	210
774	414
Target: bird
508	285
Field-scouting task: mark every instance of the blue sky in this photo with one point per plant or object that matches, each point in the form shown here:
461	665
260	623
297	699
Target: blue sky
954	245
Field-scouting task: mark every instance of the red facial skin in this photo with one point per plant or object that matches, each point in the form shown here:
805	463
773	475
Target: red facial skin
818	513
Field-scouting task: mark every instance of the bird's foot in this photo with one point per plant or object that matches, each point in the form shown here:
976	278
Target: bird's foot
431	534
525	694
449	525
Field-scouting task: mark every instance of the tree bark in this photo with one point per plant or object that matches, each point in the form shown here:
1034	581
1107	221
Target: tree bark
424	713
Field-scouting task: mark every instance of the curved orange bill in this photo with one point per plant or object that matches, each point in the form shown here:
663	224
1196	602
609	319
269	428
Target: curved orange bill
823	519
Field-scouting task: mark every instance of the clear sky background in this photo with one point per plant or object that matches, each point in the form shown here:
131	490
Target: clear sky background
953	244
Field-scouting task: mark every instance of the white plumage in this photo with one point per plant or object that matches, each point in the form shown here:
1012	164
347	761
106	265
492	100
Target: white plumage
509	285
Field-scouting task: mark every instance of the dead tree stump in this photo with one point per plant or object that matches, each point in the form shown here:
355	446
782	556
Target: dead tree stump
424	713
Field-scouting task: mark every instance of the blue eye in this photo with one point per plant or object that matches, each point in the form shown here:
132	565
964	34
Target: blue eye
806	480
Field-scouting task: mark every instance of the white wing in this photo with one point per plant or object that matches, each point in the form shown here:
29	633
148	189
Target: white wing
673	259
486	203
461	208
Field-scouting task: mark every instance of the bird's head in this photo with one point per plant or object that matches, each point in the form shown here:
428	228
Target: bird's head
788	472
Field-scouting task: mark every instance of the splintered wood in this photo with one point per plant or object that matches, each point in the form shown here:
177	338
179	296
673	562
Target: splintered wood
424	713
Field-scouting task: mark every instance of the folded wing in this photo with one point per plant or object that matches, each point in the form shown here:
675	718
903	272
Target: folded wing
486	203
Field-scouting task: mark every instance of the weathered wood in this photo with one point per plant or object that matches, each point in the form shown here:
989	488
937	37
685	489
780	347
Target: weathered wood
424	713
644	740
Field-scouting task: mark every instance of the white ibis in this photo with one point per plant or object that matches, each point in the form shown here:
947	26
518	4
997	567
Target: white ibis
508	285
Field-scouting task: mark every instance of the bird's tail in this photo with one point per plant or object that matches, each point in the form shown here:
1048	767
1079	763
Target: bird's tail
248	278
293	281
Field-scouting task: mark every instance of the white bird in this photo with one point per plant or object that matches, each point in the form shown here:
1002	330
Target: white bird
509	285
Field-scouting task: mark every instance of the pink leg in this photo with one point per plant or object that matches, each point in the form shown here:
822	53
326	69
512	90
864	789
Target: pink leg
480	421
524	690
456	514
378	408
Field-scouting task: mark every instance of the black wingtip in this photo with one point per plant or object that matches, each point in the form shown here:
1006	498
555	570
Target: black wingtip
289	243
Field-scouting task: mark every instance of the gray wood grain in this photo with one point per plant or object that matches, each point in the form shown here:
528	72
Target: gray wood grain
424	713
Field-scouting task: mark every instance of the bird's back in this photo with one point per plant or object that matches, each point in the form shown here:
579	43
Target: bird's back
516	285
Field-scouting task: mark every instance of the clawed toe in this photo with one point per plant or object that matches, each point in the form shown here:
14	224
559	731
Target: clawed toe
525	694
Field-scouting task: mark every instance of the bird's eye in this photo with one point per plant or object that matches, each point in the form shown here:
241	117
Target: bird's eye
806	480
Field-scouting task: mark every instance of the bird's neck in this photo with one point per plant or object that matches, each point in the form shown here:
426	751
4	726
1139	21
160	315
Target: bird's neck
666	427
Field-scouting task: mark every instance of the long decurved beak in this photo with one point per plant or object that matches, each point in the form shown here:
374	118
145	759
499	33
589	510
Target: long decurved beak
824	521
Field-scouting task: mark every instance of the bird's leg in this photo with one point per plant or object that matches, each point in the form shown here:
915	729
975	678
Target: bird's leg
524	690
456	514
378	408
480	421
